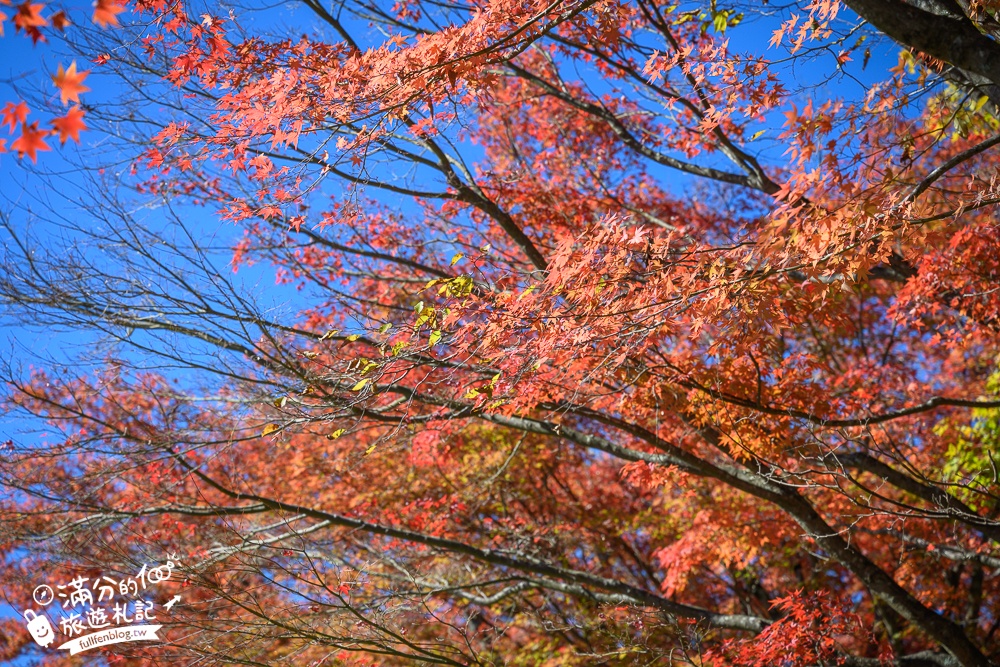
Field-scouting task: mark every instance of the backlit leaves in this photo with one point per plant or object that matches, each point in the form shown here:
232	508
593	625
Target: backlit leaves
106	12
31	141
70	83
70	125
763	393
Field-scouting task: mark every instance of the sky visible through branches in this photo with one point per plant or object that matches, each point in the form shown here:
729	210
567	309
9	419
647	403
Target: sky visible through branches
512	332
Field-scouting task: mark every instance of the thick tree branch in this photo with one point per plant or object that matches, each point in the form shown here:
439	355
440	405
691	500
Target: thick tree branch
943	36
498	557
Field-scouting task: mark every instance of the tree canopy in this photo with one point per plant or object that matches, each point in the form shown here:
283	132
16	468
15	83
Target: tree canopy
614	332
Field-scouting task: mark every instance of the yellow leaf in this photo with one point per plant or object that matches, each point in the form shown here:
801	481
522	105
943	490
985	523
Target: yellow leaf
472	393
360	385
385	327
270	428
336	434
280	403
462	286
370	449
353	337
456	259
435	337
329	334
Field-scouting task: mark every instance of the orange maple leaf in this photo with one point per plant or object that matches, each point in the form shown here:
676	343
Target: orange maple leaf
31	141
29	19
70	125
70	83
3	17
106	12
29	16
13	115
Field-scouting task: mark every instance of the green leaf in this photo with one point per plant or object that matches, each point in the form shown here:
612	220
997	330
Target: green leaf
435	337
385	327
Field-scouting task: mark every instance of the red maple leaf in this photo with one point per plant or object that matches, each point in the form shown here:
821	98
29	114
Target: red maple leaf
31	141
70	83
29	19
60	21
70	125
29	16
106	13
13	115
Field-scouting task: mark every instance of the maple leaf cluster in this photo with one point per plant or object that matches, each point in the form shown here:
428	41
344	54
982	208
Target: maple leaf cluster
28	19
32	138
613	340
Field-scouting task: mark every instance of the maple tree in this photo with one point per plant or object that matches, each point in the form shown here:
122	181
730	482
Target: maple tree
626	333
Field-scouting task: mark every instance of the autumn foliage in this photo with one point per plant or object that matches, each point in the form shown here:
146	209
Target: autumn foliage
28	20
619	333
